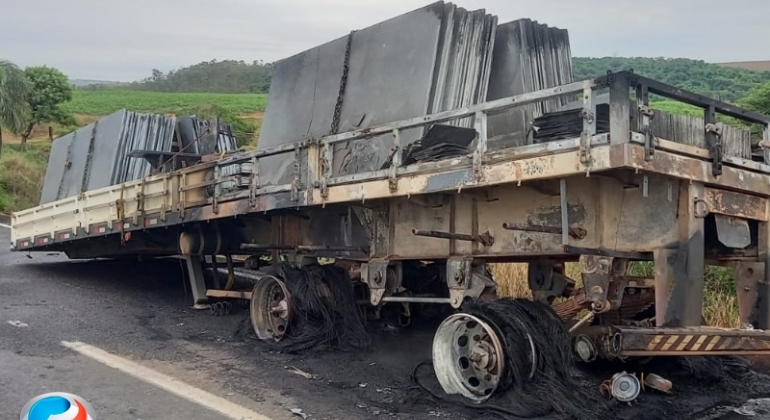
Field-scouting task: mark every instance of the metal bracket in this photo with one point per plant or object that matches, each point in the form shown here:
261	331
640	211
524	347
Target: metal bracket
595	271
587	115
701	208
458	278
585	147
714	140
395	161
217	189
375	274
254	182
646	110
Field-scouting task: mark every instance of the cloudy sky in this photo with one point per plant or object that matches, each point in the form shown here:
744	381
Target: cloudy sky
124	39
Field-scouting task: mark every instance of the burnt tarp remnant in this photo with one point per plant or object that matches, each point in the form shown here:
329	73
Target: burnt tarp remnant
431	59
528	56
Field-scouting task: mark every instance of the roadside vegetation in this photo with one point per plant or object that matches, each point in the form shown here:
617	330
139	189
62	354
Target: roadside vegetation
237	92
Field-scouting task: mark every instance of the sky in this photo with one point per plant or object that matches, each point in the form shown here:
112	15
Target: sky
123	40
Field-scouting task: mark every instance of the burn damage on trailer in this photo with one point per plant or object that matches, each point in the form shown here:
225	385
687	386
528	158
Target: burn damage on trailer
478	147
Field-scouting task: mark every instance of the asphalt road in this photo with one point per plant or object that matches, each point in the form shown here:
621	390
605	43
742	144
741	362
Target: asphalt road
140	313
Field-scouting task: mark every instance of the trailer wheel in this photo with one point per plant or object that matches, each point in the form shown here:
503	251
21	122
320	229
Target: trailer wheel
468	357
270	308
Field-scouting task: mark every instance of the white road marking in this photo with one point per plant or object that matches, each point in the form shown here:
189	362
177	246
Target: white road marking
167	383
17	323
5	226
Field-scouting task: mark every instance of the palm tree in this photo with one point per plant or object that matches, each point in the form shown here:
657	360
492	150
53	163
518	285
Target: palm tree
14	88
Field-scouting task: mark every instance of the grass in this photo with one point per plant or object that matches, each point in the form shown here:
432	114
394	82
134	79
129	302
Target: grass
21	175
720	304
108	101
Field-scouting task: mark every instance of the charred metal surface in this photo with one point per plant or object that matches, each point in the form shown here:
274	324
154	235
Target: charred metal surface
748	277
547	281
574	232
735	204
607	253
596	272
761	317
682	167
485	238
732	232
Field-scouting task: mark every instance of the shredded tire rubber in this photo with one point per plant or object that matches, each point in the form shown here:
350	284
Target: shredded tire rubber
324	311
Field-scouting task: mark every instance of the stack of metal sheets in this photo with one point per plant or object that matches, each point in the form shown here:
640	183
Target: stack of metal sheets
192	132
431	59
528	56
95	156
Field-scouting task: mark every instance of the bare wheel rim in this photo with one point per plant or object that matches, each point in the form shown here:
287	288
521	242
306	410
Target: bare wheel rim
468	357
270	308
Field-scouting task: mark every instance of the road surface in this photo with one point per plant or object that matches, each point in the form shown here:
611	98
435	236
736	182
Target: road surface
122	335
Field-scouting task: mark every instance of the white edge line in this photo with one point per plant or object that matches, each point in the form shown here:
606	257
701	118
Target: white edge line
5	226
167	383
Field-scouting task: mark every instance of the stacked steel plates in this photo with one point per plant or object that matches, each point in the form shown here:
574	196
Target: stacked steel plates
97	155
431	59
528	56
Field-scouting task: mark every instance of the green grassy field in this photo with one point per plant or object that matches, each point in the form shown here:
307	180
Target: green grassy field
108	101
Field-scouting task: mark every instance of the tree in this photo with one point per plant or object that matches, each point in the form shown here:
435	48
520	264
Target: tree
758	99
50	88
14	92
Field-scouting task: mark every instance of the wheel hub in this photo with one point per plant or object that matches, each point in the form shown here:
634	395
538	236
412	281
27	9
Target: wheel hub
468	357
270	308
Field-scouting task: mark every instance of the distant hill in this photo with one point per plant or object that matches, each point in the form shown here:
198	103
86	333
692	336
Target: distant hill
78	83
727	83
748	65
213	76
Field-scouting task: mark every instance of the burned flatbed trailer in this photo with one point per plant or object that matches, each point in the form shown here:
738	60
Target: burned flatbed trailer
606	191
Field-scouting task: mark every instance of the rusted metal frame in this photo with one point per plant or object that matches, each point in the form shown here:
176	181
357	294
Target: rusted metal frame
564	211
231	294
395	162
164	208
139	202
620	108
643	104
713	139
697	152
480	125
600	252
253	182
313	164
485	238
761	313
486	107
575	233
679	273
689	341
559	165
217	189
182	194
589	124
766	144
681	95
734	204
749	275
690	169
